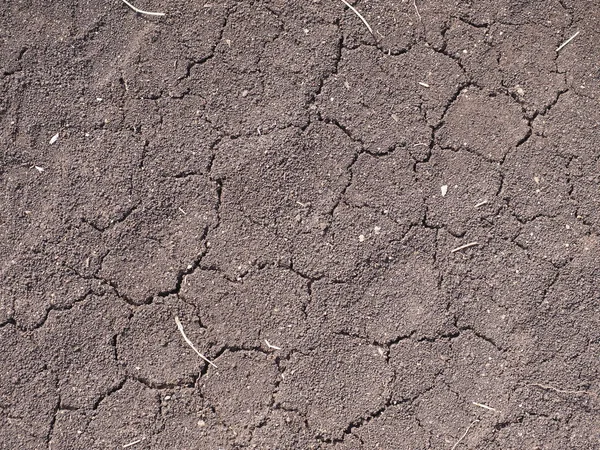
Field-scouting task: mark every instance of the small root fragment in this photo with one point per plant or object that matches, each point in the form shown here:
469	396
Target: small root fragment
566	42
464	434
274	347
141	11
462	247
187	340
132	443
547	387
417	10
489	408
358	14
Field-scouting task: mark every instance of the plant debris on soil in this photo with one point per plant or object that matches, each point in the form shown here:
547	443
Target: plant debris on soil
379	222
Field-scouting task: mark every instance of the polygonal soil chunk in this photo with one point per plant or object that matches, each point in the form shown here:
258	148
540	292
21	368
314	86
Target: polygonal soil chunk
264	74
182	419
536	181
496	290
579	59
28	396
384	107
571	126
395	24
417	365
585	179
80	345
290	179
163	236
241	390
406	300
130	413
444	416
267	304
358	243
35	287
531	431
154	61
402	300
152	348
382	431
489	126
478	371
518	58
335	385
554	239
239	245
283	429
527	62
388	185
570	309
183	142
461	189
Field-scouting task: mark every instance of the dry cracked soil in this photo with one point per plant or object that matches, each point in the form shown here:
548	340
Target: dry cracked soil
385	240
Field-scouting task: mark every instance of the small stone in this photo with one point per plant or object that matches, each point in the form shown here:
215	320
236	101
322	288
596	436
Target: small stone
444	190
361	238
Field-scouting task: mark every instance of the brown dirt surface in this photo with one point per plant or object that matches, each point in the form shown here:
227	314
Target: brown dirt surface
382	241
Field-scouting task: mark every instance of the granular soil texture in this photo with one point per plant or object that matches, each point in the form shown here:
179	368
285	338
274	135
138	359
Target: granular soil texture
385	240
